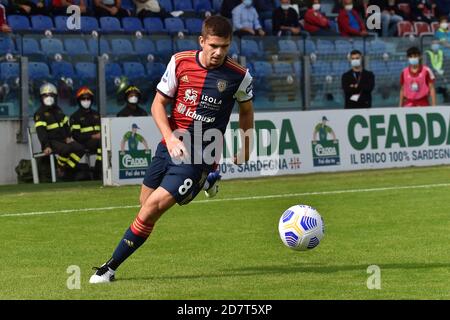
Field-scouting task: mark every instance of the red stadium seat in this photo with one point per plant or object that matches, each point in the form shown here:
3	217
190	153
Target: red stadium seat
434	26
405	28
421	27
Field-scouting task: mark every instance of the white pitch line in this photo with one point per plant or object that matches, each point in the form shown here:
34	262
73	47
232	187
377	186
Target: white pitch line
272	196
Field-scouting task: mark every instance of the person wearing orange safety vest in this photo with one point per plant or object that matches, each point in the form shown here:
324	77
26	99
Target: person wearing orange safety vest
85	127
52	128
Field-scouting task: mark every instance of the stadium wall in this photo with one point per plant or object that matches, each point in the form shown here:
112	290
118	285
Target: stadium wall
11	151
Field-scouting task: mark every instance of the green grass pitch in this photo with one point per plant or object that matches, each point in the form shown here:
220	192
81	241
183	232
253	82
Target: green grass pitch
229	248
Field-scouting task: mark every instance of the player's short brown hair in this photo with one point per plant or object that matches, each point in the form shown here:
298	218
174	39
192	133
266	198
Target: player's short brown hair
217	26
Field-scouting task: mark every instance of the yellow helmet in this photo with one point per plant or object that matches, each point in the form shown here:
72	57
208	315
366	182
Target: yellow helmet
48	88
131	89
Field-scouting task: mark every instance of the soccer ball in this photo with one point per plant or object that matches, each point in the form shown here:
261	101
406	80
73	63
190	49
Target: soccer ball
301	227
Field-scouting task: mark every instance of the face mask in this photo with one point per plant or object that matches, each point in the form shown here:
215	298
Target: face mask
413	61
316	6
444	25
355	62
435	47
85	103
285	6
48	101
133	99
248	3
348	7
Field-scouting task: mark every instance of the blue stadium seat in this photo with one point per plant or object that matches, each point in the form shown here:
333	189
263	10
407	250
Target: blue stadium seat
110	24
217	4
395	68
250	48
282	68
61	23
38	70
185	5
88	24
76	46
174	25
144	47
9	70
298	69
134	70
62	69
287	47
121	47
155	70
112	70
19	23
262	69
6	45
320	68
93	46
128	5
154	25
132	24
166	4
202	5
308	46
194	25
379	68
30	46
164	48
359	45
325	47
339	67
343	46
86	70
234	48
41	23
186	44
377	47
51	46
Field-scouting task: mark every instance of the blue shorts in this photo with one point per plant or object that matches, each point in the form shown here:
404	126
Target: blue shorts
182	181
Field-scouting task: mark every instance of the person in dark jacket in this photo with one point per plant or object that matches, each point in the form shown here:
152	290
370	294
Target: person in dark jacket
357	83
132	109
52	128
285	20
85	127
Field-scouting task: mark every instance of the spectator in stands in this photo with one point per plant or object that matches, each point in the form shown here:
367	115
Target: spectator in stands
264	8
4	27
132	109
316	23
416	82
389	16
422	10
443	34
442	8
27	7
59	7
153	9
357	83
436	61
285	20
105	8
246	20
228	6
300	6
349	21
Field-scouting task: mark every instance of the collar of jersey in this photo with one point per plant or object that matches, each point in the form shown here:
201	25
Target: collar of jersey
197	59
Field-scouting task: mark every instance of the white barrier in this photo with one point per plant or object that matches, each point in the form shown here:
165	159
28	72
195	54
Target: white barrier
300	142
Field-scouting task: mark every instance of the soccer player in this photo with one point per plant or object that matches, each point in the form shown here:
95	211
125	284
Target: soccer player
202	87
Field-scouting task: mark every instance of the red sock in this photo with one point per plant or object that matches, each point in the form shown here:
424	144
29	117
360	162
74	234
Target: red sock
140	229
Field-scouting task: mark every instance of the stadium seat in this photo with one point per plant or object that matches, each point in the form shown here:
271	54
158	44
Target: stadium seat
30	46
217	4
62	69
405	28
144	47
155	70
132	24
154	25
186	44
395	68
76	46
377	47
51	46
282	68
174	25
166	4
110	24
88	24
6	45
434	26
320	68
185	5
339	67
112	70
202	5
60	23
19	23
38	70
128	5
194	25
164	48
286	46
421	27
262	69
93	46
41	23
298	68
87	70
308	46
234	48
379	68
325	47
9	70
359	45
250	48
121	47
134	70
343	47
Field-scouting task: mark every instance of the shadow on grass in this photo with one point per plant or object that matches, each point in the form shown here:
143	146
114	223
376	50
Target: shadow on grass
285	269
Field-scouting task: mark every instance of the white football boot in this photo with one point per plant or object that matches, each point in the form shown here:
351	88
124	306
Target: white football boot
104	274
211	185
